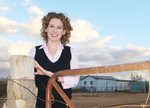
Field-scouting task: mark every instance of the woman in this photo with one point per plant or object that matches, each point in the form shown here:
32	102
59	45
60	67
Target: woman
54	56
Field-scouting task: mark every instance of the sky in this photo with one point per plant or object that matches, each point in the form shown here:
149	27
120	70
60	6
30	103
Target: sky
105	32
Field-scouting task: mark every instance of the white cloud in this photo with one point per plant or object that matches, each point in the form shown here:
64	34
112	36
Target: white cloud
83	31
20	48
110	55
90	44
35	10
32	28
4	9
13	27
86	38
13	48
8	26
103	40
4	47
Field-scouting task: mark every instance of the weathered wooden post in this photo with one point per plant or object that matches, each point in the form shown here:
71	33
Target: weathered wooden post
21	74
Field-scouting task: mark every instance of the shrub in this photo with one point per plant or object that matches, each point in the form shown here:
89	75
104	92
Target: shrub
3	88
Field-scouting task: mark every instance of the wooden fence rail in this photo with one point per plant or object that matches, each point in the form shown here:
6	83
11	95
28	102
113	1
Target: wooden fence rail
144	65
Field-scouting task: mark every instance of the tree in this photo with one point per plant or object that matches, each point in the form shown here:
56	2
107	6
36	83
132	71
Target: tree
136	77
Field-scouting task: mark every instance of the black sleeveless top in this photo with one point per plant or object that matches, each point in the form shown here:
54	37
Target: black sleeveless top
61	64
41	80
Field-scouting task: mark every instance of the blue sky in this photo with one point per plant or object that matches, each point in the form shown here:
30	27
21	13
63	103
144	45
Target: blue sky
105	32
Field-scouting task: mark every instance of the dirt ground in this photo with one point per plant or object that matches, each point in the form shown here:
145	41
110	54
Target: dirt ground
110	100
107	100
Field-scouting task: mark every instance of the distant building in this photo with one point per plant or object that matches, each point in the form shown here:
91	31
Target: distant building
97	83
139	86
123	85
93	83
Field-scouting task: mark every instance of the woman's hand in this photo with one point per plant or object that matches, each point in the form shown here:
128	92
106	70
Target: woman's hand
61	79
41	70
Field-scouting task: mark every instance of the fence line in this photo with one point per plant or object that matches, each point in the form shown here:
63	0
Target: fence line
103	69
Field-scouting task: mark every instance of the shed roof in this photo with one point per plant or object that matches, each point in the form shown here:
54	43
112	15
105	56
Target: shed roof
98	77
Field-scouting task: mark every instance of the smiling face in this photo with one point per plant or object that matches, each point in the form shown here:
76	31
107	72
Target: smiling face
56	27
55	30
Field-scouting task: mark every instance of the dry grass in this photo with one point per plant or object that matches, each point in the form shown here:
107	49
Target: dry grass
105	100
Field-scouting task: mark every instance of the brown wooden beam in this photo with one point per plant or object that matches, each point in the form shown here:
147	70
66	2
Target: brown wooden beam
145	65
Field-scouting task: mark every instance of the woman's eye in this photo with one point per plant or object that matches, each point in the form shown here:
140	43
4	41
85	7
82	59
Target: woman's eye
51	26
59	27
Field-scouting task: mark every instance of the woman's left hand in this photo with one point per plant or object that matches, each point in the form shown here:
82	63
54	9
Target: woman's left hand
61	79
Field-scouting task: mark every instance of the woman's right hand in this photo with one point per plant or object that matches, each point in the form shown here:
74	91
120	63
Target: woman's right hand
41	70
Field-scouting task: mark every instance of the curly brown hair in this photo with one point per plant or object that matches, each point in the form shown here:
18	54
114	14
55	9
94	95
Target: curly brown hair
66	26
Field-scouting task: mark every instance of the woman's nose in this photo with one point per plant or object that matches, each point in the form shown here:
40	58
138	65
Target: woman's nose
54	29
